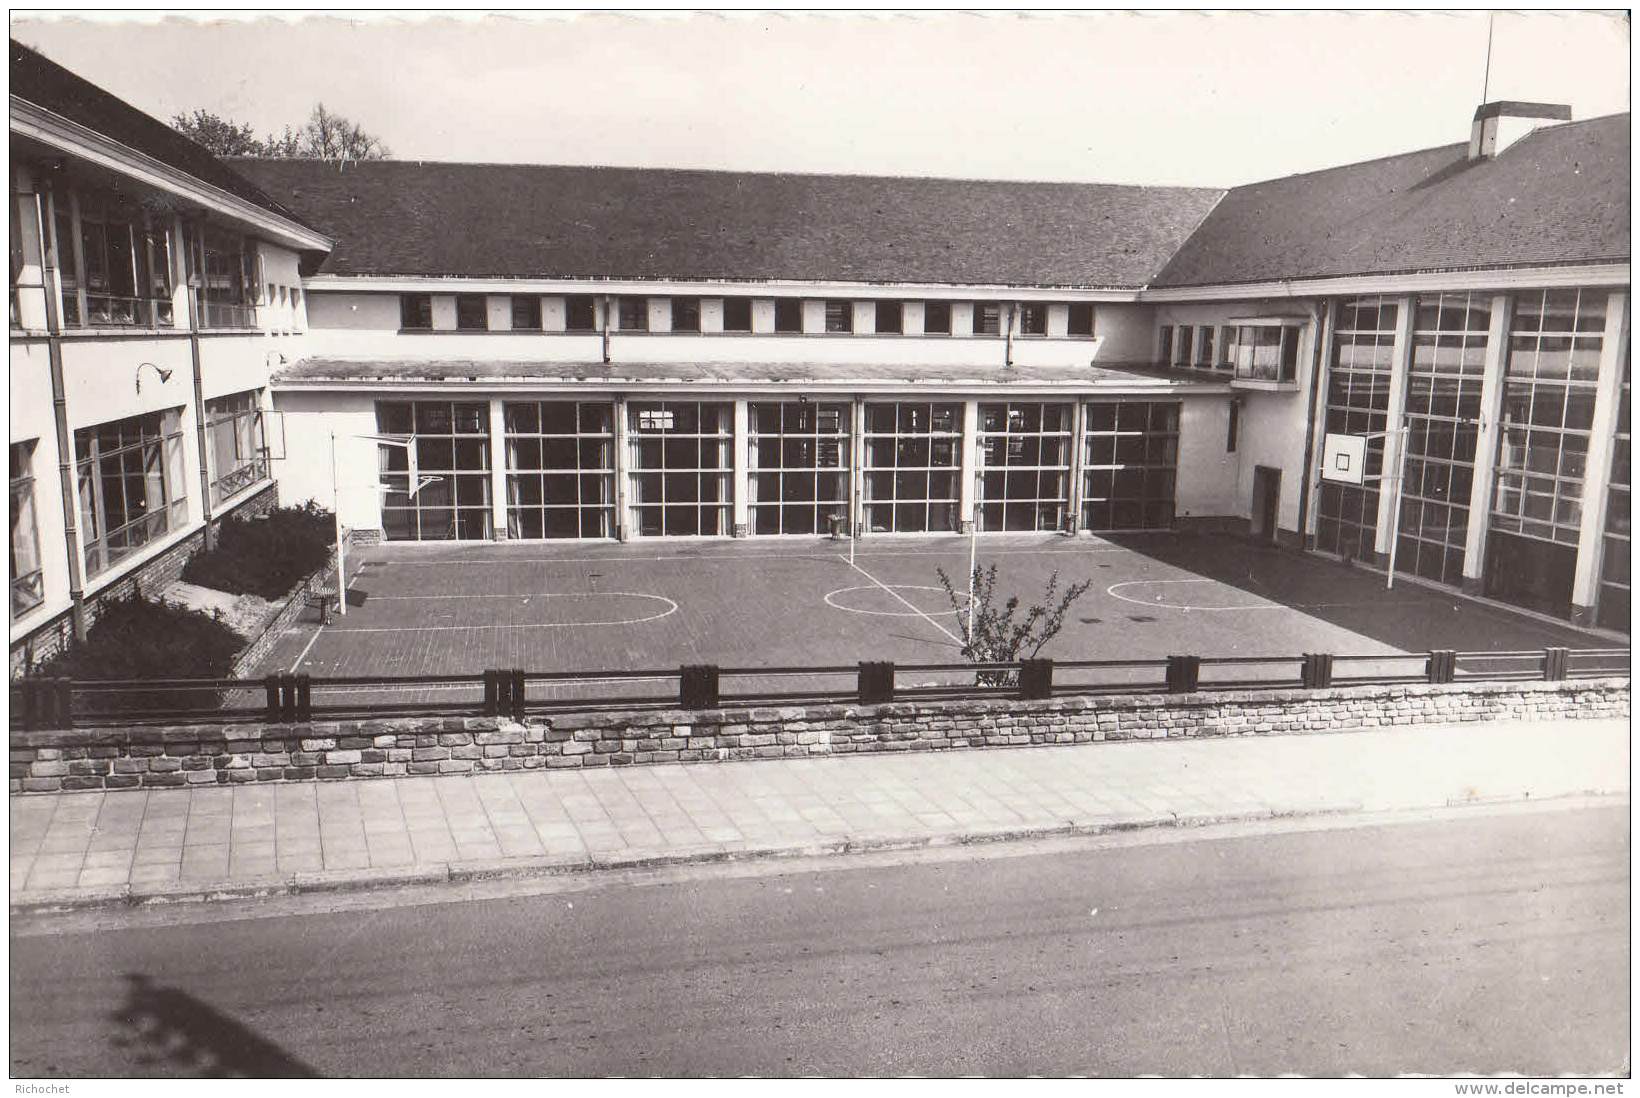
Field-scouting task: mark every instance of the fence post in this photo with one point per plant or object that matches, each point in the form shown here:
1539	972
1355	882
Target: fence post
515	693
63	710
28	694
1318	670
304	698
698	686
1554	664
287	699
1035	679
271	685
490	692
1183	674
1442	665
876	682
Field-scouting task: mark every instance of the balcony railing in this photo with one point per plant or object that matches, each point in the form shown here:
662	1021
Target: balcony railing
237	480
119	311
215	314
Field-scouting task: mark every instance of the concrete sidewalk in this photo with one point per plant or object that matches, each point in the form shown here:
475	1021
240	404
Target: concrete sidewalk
75	849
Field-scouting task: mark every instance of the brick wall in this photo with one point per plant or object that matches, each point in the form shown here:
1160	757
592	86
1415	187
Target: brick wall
201	755
46	640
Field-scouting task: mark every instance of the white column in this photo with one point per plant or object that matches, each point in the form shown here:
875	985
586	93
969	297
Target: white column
1389	489
1486	443
1329	322
962	318
624	520
660	314
912	314
865	317
711	314
814	316
498	469
763	315
1597	472
967	507
554	314
1078	425
742	463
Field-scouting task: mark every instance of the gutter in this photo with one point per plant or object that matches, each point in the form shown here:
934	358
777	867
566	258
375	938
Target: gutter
59	413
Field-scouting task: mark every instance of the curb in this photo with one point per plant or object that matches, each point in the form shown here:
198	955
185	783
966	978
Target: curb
339	880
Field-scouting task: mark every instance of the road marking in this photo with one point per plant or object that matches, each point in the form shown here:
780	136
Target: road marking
895	594
1157	604
881	613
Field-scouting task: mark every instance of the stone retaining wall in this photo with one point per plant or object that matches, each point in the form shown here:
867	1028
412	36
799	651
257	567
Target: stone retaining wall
213	754
244	664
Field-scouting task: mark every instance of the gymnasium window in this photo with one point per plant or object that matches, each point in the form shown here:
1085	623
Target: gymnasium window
839	316
526	313
472	312
1025	465
681	459
1613	611
937	318
1129	462
911	466
416	312
131	484
686	314
1079	322
737	314
27	589
452	444
799	466
560	469
788	314
1357	404
235	445
581	313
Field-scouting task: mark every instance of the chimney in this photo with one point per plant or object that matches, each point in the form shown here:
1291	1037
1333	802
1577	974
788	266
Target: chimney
1516	120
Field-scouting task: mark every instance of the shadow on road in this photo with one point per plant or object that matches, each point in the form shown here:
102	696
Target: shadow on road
170	1029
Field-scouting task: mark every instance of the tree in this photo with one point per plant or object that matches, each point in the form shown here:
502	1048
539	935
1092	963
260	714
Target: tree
326	136
994	636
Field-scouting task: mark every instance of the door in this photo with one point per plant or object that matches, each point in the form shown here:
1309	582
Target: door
1266	503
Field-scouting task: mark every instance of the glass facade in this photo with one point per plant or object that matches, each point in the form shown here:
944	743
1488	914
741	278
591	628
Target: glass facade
1025	467
1443	409
27	590
560	469
799	466
1130	452
1357	404
1613	609
452	445
681	459
131	484
912	462
237	449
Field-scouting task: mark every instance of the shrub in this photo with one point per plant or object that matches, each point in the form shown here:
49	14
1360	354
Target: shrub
133	638
996	637
267	555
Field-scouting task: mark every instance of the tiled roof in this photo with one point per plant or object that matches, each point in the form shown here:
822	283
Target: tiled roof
332	369
47	84
521	221
1559	195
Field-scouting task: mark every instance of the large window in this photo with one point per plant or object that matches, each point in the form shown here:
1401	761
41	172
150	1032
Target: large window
937	318
1443	407
890	317
839	316
27	591
737	314
115	263
686	314
580	313
1358	404
1260	352
472	312
1204	347
130	480
1130	455
1033	318
1025	475
451	500
526	313
1079	320
228	296
788	314
1164	345
632	314
911	467
681	462
235	444
799	466
560	469
1548	414
987	318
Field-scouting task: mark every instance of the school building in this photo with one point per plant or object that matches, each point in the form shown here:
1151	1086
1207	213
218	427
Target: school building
1423	357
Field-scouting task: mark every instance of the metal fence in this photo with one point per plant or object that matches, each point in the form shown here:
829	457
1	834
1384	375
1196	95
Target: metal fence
59	703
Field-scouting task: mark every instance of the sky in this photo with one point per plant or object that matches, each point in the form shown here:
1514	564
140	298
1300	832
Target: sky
1169	98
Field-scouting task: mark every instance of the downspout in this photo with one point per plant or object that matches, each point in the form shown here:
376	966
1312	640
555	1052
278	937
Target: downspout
199	399
59	411
1323	314
607	302
1008	348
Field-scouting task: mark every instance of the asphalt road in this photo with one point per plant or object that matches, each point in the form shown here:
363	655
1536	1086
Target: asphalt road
1482	944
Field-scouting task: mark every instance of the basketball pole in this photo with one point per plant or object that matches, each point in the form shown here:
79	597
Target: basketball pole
973	537
341	542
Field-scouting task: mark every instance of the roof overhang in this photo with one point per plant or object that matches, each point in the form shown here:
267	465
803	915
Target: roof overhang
1584	274
712	288
72	139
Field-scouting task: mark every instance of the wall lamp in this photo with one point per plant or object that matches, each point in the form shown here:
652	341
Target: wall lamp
164	374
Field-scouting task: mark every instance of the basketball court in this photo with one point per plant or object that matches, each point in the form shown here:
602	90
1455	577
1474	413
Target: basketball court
459	609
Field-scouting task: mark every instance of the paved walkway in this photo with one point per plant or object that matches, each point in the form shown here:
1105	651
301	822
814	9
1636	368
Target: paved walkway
70	849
